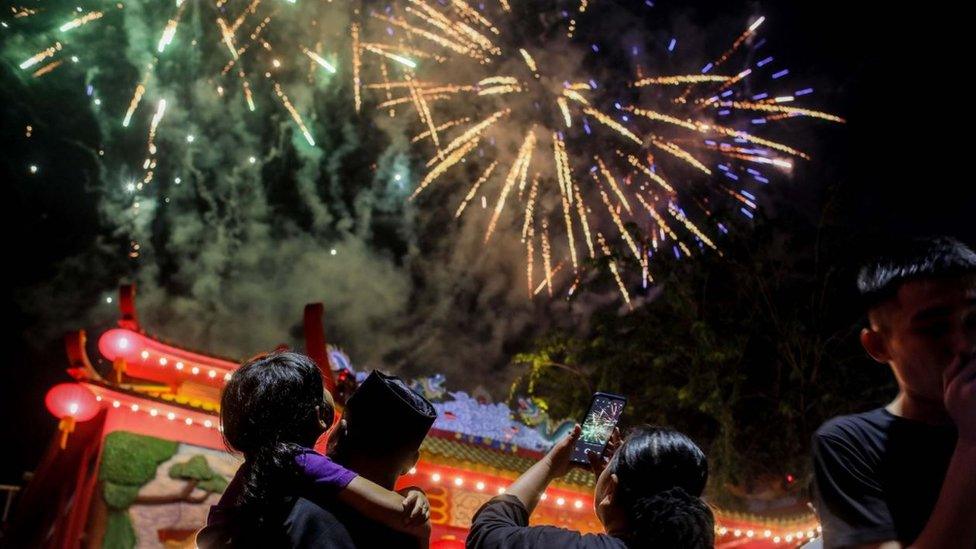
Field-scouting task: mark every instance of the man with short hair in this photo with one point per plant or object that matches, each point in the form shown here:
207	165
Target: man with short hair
905	475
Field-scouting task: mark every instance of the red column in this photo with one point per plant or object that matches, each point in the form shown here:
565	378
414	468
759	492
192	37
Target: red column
315	343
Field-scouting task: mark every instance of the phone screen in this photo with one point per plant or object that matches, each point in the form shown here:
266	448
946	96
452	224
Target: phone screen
598	425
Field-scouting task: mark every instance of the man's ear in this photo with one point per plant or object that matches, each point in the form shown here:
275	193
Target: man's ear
875	344
608	498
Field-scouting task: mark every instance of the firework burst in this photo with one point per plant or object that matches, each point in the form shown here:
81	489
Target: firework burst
584	157
245	50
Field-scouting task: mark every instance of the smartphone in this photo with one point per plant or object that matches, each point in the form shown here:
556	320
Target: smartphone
604	413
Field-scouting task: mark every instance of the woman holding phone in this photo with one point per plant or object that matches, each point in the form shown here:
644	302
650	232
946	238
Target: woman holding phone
647	494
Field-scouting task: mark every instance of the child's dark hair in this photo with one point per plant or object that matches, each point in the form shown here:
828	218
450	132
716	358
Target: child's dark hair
268	413
938	257
661	475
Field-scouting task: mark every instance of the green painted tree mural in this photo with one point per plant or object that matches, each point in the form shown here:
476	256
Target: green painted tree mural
129	462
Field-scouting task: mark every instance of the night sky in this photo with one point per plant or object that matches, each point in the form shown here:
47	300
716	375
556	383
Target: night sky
900	166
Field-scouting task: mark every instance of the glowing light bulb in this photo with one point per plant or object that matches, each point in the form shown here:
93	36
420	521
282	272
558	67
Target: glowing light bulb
480	485
144	355
436	477
458	481
171	416
73	408
135	407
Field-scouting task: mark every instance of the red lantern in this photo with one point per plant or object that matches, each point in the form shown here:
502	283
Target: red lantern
70	402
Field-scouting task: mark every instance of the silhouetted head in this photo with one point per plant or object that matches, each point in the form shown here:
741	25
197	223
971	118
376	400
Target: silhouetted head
273	407
382	427
652	489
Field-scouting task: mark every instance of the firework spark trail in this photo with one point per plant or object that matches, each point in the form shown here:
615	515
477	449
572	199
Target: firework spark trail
457	29
544	283
691	227
613	124
425	116
472	14
515	174
529	257
608	176
382	52
41	56
679	79
547	255
449	161
475	131
47	68
678	152
134	102
320	60
662	223
154	124
613	269
527	225
581	211
795	111
636	163
357	63
294	114
437	39
624	233
442	128
81	21
721	130
565	178
474	188
228	36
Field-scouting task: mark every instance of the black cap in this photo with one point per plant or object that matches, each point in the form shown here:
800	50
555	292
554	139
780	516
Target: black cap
385	414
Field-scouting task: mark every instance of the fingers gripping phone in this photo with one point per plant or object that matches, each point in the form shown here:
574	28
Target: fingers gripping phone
604	413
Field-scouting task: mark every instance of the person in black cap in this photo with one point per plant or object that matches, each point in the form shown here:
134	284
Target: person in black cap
379	438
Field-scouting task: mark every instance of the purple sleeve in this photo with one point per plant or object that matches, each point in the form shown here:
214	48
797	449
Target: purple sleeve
323	473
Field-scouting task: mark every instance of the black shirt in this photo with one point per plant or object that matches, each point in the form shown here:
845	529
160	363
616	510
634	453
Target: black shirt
503	523
877	476
369	534
300	524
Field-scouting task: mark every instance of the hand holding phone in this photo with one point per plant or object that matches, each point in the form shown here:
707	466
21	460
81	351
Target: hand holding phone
598	426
